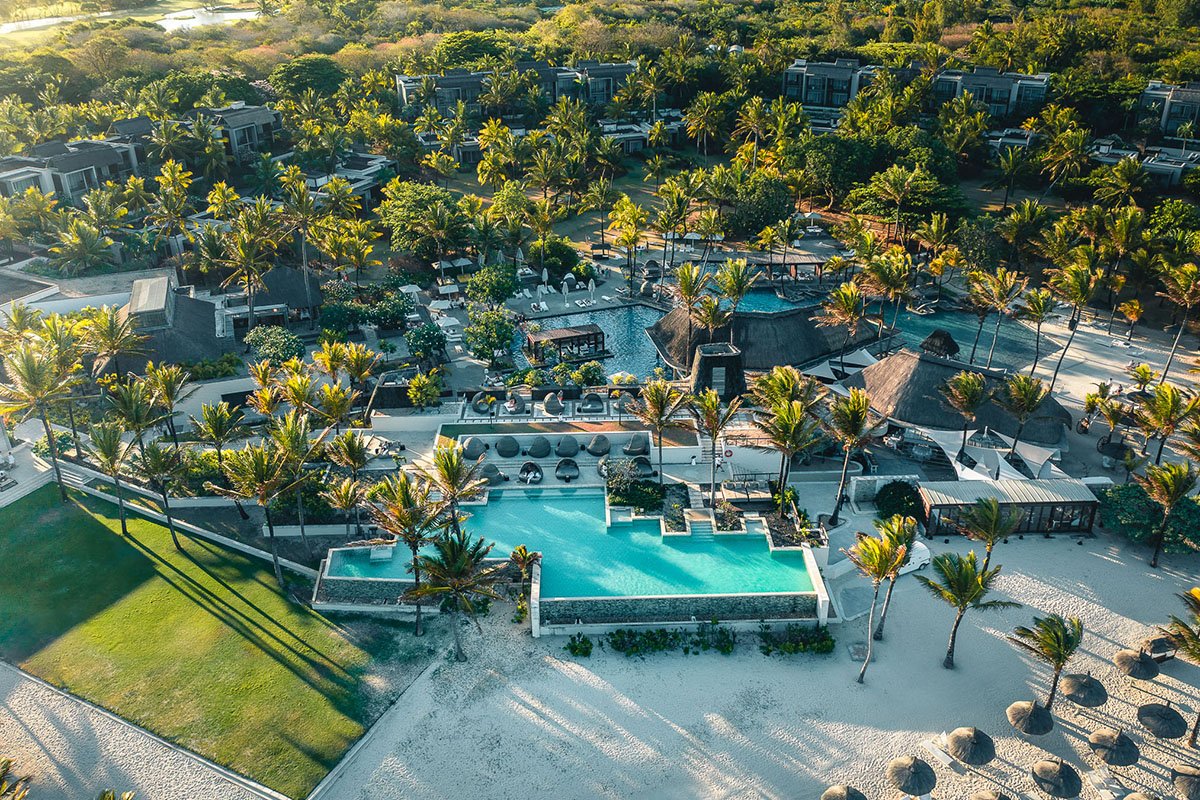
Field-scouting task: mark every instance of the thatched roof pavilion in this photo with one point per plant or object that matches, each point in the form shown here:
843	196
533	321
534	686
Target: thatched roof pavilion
906	388
766	340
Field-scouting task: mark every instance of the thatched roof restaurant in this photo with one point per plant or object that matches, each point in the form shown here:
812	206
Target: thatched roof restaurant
766	340
906	387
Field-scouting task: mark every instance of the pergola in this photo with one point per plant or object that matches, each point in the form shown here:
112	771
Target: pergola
1045	506
576	343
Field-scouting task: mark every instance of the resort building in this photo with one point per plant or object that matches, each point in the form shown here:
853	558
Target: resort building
247	130
67	170
825	85
179	327
1172	105
1019	138
1165	165
593	81
1046	506
1003	93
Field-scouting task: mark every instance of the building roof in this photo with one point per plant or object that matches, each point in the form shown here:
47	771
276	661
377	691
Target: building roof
906	387
1032	492
149	294
238	115
134	126
191	336
81	155
286	287
563	334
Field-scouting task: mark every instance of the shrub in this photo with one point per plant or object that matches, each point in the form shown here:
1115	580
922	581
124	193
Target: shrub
707	636
274	343
1128	510
62	443
226	366
728	517
589	373
559	259
898	497
763	199
579	645
522	610
426	341
795	639
391	311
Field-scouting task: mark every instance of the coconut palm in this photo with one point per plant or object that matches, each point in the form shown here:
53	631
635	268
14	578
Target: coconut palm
787	428
1185	635
218	425
132	401
404	508
170	385
709	314
1037	307
734	279
36	384
1163	411
962	585
302	213
850	422
844	307
1074	284
346	496
1181	286
291	437
334	402
1132	311
455	478
1166	485
457	572
257	472
656	409
108	334
1052	640
80	247
349	451
987	522
161	467
876	558
1002	287
1022	396
248	257
111	454
710	418
901	531
966	392
524	559
690	285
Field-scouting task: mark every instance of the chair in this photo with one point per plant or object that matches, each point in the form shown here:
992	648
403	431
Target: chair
567	446
530	473
599	445
552	404
1105	784
638	445
566	470
592	404
539	447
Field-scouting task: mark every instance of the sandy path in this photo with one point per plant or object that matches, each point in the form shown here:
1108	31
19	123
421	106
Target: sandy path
74	751
523	719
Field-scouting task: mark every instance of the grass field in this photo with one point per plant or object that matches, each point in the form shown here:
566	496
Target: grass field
199	647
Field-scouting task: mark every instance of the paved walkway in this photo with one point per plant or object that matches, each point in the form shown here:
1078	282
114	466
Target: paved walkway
73	750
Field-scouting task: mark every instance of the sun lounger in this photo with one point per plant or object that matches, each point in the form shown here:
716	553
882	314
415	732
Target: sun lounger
1108	787
530	473
934	746
544	306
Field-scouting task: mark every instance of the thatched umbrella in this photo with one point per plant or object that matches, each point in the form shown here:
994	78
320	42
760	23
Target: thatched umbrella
1142	796
1056	778
842	792
1030	717
1187	780
911	775
1136	664
1113	747
1083	690
970	746
991	795
1162	720
1158	647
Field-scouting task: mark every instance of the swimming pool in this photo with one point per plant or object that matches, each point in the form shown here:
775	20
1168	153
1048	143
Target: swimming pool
1014	348
584	558
762	301
624	335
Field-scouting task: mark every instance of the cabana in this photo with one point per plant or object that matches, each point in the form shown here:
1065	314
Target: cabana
638	445
567	446
507	447
552	404
599	445
474	447
530	473
1045	506
592	403
492	474
567	470
539	447
515	404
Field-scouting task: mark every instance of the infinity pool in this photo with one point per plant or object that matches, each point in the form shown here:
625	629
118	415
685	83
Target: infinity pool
761	301
624	335
584	558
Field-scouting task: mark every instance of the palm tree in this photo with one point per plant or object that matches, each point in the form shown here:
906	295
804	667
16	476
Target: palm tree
171	385
1002	287
109	334
302	213
290	437
36	383
843	307
1181	286
963	586
1185	635
850	422
1163	411
709	314
788	429
966	392
1037	307
248	258
656	409
894	185
1010	165
1074	284
455	478
987	522
257	472
132	401
219	425
160	467
524	559
1166	485
1052	640
734	279
890	275
876	558
404	508
710	418
690	285
334	402
901	531
349	451
1132	311
457	572
703	118
111	454
81	247
1022	396
345	495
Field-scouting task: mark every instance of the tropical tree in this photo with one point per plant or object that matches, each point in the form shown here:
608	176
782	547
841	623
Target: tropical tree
966	392
109	334
656	409
787	428
1074	284
1181	286
218	425
404	508
161	467
1022	396
1132	311
901	531
345	495
850	422
455	478
709	314
876	558
349	451
1166	485
257	472
1052	640
734	279
524	559
1163	411
132	402
37	382
962	585
1002	287
457	571
1037	307
81	247
988	522
691	282
111	454
1185	636
844	307
170	385
710	418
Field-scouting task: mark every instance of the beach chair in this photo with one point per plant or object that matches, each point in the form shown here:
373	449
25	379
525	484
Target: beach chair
1108	787
544	306
936	748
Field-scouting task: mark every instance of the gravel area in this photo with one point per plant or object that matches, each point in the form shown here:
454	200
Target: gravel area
74	751
522	718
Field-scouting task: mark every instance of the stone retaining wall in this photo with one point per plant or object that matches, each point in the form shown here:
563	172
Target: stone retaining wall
382	591
566	611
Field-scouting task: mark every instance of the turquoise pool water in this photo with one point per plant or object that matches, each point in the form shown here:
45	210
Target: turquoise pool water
624	335
1014	348
583	558
762	301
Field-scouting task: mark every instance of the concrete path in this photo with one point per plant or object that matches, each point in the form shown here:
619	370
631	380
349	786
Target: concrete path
73	750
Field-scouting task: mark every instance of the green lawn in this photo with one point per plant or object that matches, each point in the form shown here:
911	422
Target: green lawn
200	647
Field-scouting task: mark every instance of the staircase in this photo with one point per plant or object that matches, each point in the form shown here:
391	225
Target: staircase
702	530
695	496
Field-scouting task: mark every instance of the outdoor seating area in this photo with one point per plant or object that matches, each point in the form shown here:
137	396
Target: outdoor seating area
530	457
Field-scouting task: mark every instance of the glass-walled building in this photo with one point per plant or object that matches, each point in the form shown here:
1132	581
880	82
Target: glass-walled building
1045	506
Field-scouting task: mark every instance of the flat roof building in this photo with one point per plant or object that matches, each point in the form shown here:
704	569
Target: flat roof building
1059	505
